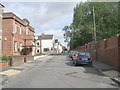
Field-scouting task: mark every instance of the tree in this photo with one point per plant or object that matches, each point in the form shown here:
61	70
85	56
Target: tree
80	31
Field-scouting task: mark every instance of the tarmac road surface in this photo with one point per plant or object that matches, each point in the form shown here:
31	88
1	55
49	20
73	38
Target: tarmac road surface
57	71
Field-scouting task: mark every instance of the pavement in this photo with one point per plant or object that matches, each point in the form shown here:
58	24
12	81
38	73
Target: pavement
6	73
108	71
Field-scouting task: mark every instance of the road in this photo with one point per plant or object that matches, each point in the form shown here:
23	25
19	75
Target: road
58	72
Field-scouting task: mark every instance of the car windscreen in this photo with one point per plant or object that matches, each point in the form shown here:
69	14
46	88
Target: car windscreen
83	54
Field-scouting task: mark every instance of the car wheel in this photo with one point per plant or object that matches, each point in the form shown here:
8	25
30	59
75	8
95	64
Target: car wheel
90	64
75	63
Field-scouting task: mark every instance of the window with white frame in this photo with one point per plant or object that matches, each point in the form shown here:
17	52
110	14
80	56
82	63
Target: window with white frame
38	44
20	46
27	31
46	49
38	51
15	47
15	29
20	30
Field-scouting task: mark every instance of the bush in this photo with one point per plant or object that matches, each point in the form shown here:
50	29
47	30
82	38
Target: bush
4	58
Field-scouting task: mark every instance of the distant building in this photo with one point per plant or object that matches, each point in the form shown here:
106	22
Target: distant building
44	44
58	48
18	36
1	11
68	46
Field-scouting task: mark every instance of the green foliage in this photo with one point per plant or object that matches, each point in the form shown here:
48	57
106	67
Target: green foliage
26	51
4	58
80	31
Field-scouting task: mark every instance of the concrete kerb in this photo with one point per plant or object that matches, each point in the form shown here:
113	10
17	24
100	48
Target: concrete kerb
38	57
112	78
3	79
116	80
99	70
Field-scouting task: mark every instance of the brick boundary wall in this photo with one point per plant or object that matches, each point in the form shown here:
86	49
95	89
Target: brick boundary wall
18	60
118	52
108	50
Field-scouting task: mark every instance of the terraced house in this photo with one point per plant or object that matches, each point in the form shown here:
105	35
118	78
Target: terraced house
1	11
18	36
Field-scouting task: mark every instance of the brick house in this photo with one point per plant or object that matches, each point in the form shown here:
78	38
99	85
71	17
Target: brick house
1	11
18	36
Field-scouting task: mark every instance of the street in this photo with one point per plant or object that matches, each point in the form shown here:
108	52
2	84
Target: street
57	71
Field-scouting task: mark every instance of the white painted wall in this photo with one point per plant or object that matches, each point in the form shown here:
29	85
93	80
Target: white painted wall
60	49
47	44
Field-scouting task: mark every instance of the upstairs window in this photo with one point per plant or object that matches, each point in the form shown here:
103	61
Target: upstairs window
20	30
27	31
38	44
15	29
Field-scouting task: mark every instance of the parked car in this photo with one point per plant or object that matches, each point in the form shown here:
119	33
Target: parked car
73	54
70	54
82	58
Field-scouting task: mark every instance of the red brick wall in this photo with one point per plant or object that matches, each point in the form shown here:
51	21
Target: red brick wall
8	26
18	37
7	33
30	39
119	51
108	51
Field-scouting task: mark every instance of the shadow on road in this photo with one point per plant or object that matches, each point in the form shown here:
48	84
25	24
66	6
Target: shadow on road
88	69
92	70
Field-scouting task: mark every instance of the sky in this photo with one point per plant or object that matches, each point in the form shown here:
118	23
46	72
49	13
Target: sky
44	17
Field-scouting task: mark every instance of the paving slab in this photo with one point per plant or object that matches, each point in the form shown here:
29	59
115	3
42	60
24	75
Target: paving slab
107	70
103	66
3	78
10	72
111	73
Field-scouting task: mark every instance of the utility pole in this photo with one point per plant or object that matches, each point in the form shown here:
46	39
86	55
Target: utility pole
94	32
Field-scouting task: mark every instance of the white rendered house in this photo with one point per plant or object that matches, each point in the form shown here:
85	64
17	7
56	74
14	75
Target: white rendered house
44	44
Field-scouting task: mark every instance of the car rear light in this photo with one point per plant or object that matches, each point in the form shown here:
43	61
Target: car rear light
91	58
77	58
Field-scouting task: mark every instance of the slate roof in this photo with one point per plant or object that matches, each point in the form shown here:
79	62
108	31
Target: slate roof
45	37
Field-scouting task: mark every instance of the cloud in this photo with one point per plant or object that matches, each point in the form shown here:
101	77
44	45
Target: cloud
44	17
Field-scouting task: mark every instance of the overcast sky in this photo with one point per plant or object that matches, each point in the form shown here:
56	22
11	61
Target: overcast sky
48	18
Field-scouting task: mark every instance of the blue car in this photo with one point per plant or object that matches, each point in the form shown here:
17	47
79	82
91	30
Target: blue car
82	58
